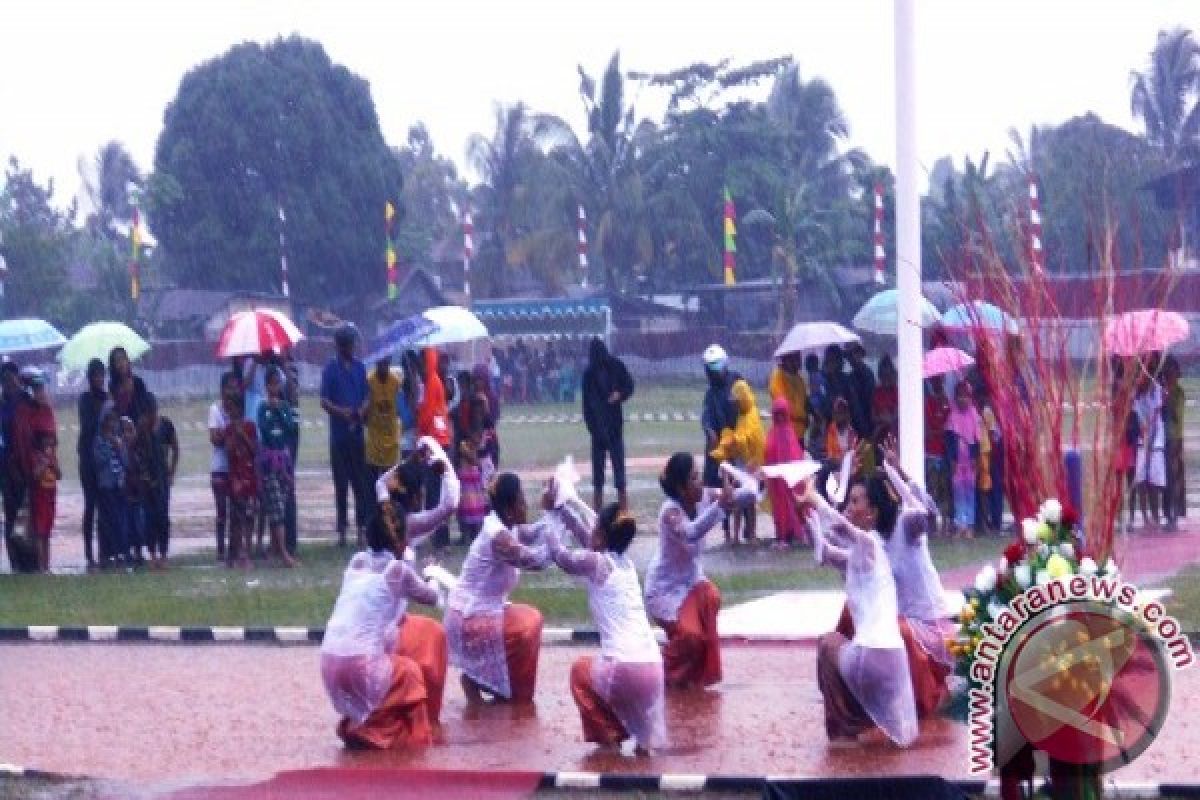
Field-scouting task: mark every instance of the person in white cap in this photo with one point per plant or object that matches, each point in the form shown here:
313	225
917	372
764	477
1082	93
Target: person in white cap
719	411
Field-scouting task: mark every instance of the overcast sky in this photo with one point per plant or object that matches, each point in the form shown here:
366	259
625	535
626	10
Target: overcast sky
74	75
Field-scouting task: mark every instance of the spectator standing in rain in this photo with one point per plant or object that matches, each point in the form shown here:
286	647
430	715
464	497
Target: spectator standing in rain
344	399
862	385
91	404
607	385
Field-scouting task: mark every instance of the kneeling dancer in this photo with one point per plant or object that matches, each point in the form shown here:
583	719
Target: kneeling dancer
620	694
496	643
865	680
380	692
678	596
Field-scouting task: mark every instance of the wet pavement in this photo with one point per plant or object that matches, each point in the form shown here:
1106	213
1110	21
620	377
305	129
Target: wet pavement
168	716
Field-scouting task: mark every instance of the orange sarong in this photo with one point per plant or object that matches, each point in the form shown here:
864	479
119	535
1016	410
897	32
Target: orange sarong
928	675
692	656
522	643
402	719
423	640
600	723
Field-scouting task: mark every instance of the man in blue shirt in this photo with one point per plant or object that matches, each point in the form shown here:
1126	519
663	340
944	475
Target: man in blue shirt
344	399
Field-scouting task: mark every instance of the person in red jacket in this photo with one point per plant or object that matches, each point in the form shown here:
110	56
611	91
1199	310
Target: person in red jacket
433	420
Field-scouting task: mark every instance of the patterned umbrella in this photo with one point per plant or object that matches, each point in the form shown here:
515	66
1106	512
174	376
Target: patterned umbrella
253	333
22	335
402	335
97	340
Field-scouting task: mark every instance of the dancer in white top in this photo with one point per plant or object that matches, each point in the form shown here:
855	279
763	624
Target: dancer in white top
401	487
678	596
496	643
620	694
379	691
865	680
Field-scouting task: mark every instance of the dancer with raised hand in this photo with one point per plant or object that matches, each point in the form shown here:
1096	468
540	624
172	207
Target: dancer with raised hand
381	692
919	593
678	596
620	694
865	680
496	643
401	490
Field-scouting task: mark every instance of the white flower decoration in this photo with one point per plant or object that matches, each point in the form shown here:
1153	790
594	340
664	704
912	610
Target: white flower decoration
1029	530
1110	568
1068	550
1087	566
985	581
995	610
1051	512
1023	574
1043	577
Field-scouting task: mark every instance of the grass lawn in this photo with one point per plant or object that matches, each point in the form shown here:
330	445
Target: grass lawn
198	592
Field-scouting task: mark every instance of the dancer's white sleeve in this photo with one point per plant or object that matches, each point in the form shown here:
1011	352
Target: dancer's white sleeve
420	525
581	563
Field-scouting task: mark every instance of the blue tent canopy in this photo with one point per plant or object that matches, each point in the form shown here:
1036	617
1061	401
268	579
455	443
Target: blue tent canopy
553	318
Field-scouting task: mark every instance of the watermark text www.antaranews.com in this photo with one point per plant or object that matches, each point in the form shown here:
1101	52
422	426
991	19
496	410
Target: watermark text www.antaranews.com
1079	668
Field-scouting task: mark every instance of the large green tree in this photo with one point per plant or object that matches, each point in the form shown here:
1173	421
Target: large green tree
110	182
264	128
36	244
431	199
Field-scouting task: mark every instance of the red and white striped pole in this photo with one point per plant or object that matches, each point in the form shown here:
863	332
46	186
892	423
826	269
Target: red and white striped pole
283	253
1036	256
468	251
583	245
880	255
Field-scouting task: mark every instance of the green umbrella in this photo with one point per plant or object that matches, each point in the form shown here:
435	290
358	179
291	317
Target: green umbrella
96	340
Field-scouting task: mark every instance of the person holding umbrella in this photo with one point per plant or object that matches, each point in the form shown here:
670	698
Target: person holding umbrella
344	398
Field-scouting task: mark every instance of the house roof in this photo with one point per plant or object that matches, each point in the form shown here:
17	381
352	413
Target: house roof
409	278
176	305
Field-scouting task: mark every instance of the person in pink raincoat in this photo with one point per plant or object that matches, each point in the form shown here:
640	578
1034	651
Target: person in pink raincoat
782	447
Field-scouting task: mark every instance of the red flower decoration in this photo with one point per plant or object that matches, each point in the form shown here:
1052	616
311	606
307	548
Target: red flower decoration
1014	552
1070	517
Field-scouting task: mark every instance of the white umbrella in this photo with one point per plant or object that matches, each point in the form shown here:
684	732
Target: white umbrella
812	335
879	314
455	325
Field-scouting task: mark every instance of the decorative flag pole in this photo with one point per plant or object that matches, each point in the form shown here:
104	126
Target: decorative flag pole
880	256
389	223
135	248
730	246
1036	256
3	268
583	244
283	254
468	251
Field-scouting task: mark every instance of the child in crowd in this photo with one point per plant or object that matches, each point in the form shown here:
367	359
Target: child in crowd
276	423
46	475
111	461
963	433
241	447
134	525
155	458
992	466
839	435
937	410
744	447
475	470
782	447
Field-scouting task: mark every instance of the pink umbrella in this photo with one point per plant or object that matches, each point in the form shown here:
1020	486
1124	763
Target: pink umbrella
941	360
1144	331
252	333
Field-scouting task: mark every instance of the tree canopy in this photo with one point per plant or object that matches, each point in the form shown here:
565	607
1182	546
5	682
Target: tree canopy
263	129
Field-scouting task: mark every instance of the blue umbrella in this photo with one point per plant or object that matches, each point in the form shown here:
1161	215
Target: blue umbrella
978	314
403	335
21	335
879	314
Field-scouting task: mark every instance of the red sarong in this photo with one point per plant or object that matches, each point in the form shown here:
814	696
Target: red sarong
600	723
401	720
692	656
928	675
522	643
423	640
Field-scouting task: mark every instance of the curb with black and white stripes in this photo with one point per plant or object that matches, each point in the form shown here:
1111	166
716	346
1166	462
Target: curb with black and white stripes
666	783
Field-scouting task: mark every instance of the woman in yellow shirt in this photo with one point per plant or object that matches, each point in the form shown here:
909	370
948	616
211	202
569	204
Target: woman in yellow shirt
383	428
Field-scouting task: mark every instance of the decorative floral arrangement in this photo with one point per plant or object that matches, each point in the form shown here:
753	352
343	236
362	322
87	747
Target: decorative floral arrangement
1049	547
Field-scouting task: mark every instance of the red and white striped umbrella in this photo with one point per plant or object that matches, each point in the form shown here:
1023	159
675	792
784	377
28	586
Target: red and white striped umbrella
252	333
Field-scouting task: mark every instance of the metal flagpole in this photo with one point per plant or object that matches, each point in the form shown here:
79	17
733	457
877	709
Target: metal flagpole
468	252
283	254
583	245
880	256
908	246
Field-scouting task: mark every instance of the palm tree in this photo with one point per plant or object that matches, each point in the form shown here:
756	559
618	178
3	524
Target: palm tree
108	180
1165	96
501	163
604	171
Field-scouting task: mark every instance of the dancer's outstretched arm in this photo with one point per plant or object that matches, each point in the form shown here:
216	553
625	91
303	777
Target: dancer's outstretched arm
692	531
522	556
405	582
825	552
582	563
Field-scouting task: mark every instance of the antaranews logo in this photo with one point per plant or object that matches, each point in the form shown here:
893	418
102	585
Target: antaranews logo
1079	668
